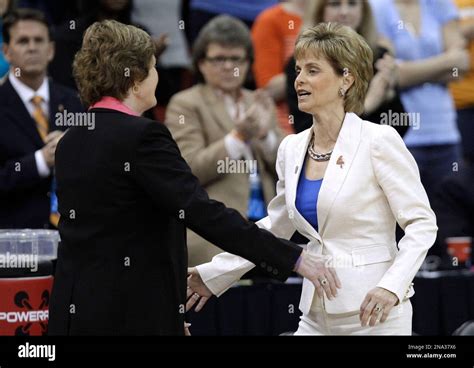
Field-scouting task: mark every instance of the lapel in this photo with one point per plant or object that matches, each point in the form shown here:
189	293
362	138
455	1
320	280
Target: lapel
20	115
299	153
56	104
344	151
216	106
339	165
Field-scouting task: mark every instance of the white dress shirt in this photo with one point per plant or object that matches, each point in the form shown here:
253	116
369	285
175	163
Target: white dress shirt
26	95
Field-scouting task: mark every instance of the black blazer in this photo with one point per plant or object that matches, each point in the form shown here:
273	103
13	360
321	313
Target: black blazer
126	197
24	195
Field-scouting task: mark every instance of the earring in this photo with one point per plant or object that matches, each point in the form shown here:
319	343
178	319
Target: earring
135	89
342	92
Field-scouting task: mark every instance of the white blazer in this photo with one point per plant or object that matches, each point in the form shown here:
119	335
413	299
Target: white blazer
371	182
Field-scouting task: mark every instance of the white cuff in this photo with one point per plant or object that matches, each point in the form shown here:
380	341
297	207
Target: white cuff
217	285
43	169
269	144
235	147
223	271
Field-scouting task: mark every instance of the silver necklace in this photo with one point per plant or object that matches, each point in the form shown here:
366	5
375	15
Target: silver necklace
319	157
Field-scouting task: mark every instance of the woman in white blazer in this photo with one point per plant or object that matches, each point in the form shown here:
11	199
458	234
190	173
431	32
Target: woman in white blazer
344	184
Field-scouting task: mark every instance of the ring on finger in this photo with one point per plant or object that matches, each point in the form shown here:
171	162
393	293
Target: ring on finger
378	308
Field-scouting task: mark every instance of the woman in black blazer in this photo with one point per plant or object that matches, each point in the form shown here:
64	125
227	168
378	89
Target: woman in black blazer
126	197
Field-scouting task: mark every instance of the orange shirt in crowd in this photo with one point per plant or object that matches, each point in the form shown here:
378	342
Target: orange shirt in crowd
274	33
463	91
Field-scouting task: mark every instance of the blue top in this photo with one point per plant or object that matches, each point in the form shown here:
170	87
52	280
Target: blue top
430	105
243	9
307	198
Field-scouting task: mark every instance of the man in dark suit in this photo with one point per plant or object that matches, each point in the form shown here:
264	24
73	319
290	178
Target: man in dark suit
29	103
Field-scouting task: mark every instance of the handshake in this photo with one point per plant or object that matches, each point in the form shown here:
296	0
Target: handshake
311	266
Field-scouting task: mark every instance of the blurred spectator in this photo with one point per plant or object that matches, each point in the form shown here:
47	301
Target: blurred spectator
274	34
202	11
5	7
463	90
454	206
29	103
454	200
429	48
383	98
68	36
56	11
163	18
228	135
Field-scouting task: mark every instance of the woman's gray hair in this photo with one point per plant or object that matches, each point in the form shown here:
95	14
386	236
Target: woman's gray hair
225	31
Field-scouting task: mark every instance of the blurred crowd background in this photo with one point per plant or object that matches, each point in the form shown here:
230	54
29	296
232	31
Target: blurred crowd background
224	62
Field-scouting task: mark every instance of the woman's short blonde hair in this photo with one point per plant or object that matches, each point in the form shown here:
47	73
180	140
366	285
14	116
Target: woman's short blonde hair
346	51
112	58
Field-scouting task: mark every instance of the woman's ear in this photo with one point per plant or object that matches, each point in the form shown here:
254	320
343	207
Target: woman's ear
135	89
347	81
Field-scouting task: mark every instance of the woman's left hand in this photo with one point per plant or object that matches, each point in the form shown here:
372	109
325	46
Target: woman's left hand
377	301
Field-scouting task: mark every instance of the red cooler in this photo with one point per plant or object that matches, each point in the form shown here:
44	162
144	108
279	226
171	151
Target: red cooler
26	269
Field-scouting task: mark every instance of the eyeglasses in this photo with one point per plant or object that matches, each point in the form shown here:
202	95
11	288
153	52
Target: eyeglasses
221	60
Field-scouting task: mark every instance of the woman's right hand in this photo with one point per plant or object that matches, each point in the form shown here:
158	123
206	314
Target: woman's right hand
197	290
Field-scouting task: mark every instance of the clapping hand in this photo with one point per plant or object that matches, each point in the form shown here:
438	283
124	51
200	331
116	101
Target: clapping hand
49	148
256	121
383	84
161	43
263	112
389	68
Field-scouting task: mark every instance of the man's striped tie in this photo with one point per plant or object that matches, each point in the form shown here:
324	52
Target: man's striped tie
43	129
40	117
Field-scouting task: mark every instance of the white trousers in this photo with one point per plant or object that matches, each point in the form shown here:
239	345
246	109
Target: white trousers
318	322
